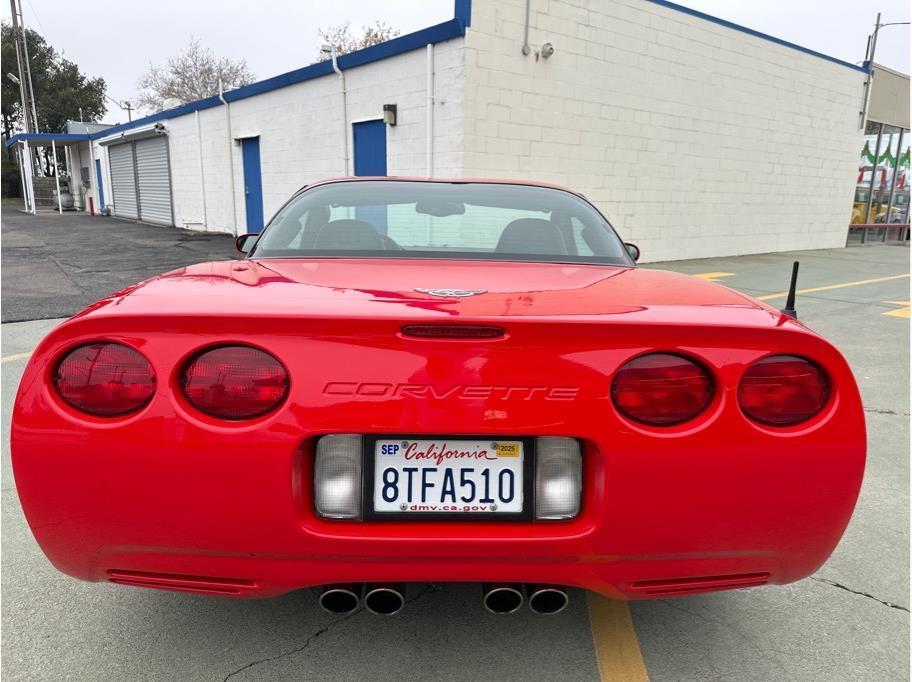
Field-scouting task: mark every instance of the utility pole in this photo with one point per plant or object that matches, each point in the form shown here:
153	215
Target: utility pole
20	61
129	108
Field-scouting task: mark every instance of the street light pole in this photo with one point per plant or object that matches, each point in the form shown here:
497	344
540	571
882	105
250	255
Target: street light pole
869	63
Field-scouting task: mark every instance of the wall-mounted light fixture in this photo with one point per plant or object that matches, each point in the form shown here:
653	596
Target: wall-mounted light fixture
389	114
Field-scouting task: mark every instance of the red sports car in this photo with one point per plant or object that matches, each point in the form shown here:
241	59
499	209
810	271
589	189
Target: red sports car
430	381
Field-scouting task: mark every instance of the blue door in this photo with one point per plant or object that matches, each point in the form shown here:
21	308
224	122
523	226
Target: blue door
100	185
253	183
370	147
370	159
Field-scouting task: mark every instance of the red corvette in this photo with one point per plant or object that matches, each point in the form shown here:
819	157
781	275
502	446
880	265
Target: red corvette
431	381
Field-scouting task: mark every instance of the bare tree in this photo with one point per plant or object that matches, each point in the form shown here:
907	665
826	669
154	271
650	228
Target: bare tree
344	41
192	74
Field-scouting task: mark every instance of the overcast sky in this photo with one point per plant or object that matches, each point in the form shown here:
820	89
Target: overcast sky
117	39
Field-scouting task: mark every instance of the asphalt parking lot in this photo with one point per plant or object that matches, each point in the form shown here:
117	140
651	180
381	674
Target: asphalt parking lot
848	622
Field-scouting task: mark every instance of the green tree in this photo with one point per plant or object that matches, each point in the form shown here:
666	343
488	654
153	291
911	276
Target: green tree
61	89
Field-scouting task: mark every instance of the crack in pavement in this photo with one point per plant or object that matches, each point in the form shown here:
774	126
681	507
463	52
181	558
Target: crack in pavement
316	635
890	412
833	583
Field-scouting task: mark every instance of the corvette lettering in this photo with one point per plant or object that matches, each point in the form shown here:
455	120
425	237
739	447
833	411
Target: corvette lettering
457	391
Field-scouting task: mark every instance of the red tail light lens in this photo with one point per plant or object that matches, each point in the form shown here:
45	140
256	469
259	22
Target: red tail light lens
661	389
235	382
105	379
783	390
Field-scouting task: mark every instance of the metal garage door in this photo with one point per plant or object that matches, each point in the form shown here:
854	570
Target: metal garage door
123	181
154	180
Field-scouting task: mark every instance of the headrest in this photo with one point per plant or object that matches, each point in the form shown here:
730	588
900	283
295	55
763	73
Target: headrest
531	235
349	235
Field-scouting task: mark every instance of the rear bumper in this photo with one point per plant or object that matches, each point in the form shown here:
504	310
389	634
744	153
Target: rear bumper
233	516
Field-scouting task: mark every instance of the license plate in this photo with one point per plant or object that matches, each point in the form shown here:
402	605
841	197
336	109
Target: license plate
448	476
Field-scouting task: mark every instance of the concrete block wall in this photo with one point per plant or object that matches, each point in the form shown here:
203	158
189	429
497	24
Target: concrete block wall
695	139
300	129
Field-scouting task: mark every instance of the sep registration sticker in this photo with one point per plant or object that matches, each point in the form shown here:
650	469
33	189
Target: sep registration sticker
448	475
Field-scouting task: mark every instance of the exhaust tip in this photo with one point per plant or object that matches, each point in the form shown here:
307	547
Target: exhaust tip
384	601
340	599
503	599
547	600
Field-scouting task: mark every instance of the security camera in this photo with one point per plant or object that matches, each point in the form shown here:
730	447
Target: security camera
547	50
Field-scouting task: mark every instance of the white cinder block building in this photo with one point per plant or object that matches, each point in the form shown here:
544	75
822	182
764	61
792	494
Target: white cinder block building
694	136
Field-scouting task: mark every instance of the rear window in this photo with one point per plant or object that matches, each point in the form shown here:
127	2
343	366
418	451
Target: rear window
404	219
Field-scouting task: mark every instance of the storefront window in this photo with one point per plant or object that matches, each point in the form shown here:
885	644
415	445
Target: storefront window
880	208
887	179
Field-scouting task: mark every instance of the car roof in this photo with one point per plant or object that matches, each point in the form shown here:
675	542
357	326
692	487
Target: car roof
405	178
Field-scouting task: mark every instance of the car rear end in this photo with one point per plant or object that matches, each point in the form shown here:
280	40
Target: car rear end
648	453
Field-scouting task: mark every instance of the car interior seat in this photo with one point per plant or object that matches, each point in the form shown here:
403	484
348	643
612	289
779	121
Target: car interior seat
531	235
347	235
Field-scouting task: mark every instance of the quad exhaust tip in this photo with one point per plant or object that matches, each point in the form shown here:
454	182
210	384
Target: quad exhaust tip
503	599
384	600
547	600
341	599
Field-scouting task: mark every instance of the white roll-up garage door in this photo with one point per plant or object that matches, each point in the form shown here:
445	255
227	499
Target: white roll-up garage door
141	180
154	180
123	180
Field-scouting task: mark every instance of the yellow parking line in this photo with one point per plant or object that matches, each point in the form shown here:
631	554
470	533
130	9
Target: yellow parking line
616	647
17	356
828	287
902	311
713	276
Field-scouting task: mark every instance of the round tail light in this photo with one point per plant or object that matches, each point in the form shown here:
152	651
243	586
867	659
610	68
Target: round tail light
661	389
783	390
235	382
105	379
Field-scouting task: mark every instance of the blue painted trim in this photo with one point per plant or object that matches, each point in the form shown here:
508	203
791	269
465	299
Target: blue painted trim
438	33
463	11
757	34
47	137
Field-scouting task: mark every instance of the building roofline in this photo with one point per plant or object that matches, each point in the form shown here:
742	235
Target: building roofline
438	33
881	67
864	68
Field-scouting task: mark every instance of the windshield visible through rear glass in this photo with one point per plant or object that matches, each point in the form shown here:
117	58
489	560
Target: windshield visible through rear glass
406	219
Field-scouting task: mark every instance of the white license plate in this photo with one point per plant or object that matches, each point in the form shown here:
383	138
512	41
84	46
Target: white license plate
447	475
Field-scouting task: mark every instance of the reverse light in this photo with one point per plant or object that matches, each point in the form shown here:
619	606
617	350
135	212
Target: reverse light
105	379
337	476
558	478
234	382
661	389
783	390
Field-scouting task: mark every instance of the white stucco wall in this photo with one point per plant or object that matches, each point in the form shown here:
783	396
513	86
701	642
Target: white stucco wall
694	139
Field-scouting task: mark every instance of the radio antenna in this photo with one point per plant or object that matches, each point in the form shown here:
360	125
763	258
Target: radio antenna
789	308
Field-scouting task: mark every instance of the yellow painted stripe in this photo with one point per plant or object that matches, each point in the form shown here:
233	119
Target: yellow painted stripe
829	287
903	310
713	276
616	646
17	356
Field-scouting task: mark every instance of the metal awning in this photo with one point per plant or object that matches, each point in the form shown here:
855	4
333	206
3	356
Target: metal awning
46	139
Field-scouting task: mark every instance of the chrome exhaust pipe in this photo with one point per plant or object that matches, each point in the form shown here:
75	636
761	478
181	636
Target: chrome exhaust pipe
547	600
341	599
503	598
384	600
